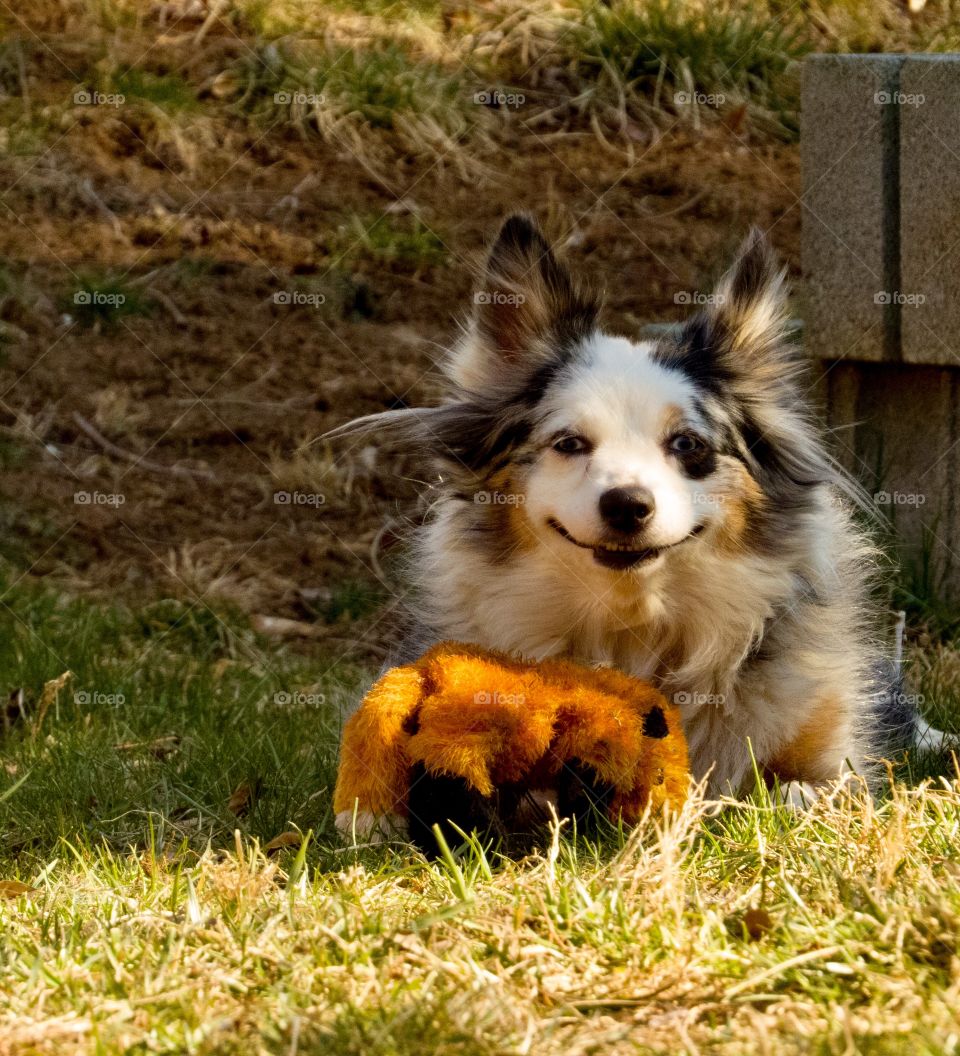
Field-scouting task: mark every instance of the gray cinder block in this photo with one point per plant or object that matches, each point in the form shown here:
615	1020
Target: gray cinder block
849	160
908	463
930	209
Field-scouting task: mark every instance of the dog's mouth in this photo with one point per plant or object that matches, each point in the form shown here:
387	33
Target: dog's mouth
621	556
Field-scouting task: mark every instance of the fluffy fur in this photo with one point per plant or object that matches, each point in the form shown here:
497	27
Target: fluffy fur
498	732
666	508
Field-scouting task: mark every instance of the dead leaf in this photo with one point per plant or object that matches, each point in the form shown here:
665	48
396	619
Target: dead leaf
53	687
159	747
225	84
15	888
281	627
50	692
222	666
285	839
757	922
241	800
736	118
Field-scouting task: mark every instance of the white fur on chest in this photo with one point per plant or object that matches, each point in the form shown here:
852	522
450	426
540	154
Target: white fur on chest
689	629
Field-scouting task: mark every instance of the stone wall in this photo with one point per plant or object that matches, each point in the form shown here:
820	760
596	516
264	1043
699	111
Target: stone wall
881	246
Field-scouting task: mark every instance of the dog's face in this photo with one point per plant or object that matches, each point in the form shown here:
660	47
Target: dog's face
615	455
623	455
625	464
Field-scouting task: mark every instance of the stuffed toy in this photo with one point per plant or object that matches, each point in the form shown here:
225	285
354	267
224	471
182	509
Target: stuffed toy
493	743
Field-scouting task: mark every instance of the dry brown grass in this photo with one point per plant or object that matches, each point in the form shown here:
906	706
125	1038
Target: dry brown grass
757	932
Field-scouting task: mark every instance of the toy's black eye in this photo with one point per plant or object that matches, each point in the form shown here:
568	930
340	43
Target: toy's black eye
571	445
685	444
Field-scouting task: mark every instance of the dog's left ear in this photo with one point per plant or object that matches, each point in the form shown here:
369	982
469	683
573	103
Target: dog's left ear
737	343
528	311
749	305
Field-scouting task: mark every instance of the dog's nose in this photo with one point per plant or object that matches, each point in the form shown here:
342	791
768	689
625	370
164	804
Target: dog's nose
627	510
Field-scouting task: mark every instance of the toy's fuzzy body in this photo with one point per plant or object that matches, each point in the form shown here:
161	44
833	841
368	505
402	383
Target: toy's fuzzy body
482	722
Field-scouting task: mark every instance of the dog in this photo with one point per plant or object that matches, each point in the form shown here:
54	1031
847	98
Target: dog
667	507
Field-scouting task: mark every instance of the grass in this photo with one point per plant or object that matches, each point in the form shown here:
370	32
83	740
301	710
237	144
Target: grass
102	301
169	92
143	909
123	754
141	797
686	57
25	136
351	96
349	601
389	240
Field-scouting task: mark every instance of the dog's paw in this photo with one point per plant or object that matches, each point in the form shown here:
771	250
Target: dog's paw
802	795
799	795
930	739
371	828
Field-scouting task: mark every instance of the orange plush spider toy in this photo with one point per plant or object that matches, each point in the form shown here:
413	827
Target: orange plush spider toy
483	740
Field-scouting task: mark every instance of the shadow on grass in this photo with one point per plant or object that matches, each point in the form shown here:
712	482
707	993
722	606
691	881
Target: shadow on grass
176	724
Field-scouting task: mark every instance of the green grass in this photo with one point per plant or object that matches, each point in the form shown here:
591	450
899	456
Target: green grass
359	97
168	91
351	600
388	240
674	53
23	136
14	55
155	921
377	86
200	707
104	300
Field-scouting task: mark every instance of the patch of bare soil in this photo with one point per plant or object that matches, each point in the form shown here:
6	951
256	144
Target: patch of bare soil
147	448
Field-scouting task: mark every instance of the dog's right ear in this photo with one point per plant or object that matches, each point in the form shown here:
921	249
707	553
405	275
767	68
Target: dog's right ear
528	312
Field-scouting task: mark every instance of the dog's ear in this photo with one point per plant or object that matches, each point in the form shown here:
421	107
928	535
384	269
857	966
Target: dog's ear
749	304
528	311
737	342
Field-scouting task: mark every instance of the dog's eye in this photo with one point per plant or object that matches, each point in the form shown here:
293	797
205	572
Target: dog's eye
685	444
571	445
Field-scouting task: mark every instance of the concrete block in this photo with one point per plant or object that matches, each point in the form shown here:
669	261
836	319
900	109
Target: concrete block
850	161
896	430
930	208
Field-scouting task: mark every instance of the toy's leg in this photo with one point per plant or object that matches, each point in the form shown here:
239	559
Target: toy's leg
373	779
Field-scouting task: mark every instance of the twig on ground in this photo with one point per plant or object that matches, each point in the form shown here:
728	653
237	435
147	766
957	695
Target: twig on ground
129	456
